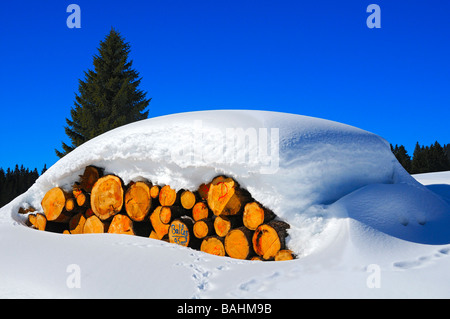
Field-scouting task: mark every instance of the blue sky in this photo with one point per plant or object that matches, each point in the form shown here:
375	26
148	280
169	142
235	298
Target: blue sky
315	58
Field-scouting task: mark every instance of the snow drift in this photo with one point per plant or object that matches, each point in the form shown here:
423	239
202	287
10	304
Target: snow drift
336	185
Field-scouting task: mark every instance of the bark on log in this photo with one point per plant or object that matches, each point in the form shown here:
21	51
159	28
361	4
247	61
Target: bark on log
89	178
269	238
225	197
203	191
107	197
213	245
54	203
76	223
121	224
203	228
181	232
161	229
255	214
238	243
138	201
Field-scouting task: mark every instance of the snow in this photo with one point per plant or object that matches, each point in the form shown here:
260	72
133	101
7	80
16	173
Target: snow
362	226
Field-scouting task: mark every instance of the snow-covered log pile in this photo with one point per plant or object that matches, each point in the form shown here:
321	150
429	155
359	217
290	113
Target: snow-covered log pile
219	217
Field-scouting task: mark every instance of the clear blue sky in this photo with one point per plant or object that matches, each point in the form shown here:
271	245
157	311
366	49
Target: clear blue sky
316	58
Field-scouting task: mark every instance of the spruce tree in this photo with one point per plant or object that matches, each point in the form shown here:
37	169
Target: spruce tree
402	156
108	96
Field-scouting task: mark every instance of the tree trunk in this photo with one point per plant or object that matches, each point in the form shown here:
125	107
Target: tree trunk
238	243
255	215
107	197
223	224
213	245
203	228
161	229
269	238
200	211
121	224
181	232
54	203
225	197
138	201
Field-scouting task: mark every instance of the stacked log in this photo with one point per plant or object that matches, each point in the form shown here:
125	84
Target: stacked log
219	218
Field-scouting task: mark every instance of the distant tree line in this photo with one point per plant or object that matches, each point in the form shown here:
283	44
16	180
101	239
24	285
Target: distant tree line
16	182
425	159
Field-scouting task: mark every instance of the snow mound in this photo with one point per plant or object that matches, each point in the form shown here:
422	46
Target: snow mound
310	172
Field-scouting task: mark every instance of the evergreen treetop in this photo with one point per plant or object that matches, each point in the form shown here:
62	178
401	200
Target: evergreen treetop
108	96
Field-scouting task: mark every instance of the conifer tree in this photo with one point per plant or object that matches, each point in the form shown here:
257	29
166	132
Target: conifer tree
402	156
108	96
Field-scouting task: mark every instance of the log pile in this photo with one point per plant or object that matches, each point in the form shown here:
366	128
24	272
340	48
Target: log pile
220	217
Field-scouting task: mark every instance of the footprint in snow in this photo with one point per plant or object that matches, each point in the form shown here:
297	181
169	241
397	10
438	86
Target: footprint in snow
423	260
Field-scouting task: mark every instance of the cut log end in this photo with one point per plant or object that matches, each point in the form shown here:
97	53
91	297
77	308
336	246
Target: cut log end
94	225
138	201
284	254
187	199
269	238
181	232
107	197
167	196
213	245
121	224
238	243
255	215
54	203
203	228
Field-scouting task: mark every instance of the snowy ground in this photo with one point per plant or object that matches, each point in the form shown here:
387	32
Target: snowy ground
362	226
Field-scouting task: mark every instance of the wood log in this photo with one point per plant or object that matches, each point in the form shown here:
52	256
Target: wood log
37	221
168	196
201	211
225	197
284	254
188	199
83	199
76	223
213	245
269	238
161	229
203	228
27	210
94	225
181	232
54	203
238	243
138	201
121	224
203	191
72	206
223	224
89	178
255	214
107	197
169	213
